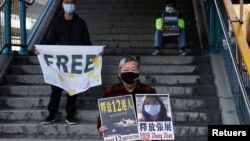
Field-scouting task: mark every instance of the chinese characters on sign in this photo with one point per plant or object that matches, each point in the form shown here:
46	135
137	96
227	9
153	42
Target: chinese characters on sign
118	114
156	130
154	117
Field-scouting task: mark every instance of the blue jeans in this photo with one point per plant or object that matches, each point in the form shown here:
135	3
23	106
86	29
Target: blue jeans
181	39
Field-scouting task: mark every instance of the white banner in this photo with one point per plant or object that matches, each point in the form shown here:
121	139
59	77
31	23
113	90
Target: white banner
72	68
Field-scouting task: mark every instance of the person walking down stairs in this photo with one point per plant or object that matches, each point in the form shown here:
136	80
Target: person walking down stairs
181	38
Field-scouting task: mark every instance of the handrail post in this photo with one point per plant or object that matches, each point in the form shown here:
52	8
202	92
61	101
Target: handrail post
7	29
215	31
23	49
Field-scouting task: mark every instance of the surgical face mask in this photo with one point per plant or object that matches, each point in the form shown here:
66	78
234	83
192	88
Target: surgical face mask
152	109
69	8
169	9
129	77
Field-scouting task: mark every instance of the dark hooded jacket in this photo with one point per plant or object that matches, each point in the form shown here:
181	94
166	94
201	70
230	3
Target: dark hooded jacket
68	32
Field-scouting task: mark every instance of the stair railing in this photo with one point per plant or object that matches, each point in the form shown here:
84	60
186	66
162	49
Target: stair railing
3	27
200	10
29	2
21	19
236	53
2	4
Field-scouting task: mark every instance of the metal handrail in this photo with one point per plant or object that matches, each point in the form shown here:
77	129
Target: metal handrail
42	20
3	4
237	28
233	56
39	20
29	2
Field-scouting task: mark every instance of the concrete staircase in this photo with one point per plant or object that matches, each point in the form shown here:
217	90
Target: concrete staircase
128	26
125	27
188	80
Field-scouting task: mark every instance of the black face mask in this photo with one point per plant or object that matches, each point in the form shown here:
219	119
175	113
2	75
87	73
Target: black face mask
129	77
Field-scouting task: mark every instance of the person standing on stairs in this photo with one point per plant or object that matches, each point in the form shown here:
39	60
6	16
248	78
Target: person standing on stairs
158	38
66	29
128	74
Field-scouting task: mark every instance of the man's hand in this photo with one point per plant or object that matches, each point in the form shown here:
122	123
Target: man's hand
102	129
101	53
36	51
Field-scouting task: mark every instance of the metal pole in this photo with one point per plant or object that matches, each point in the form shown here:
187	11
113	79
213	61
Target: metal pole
241	11
236	68
7	28
22	11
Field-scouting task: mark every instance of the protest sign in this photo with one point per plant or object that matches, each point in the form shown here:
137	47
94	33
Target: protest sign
154	117
72	68
118	114
170	23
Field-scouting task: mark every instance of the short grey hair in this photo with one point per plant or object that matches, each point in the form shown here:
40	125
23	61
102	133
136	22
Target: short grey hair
126	59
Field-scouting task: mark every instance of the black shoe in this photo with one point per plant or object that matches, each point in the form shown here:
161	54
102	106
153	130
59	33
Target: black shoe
181	52
48	120
70	121
156	52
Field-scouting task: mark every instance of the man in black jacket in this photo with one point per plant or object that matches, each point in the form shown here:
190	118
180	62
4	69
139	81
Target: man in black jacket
66	29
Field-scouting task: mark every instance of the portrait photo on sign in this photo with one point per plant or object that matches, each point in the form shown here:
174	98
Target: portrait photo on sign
152	107
154	116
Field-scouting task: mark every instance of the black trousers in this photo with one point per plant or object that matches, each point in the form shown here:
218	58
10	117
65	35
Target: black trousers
55	102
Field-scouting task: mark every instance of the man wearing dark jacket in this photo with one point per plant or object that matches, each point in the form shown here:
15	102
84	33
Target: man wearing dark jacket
66	29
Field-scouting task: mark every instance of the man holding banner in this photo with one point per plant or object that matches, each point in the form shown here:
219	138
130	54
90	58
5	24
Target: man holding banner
66	29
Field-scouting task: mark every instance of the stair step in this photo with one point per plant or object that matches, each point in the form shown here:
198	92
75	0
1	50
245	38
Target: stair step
109	69
109	79
158	79
58	128
41	90
44	90
17	137
127	46
62	129
37	102
39	114
85	102
5	137
113	59
120	2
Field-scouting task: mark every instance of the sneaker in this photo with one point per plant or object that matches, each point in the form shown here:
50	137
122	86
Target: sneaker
156	52
181	52
48	120
71	121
